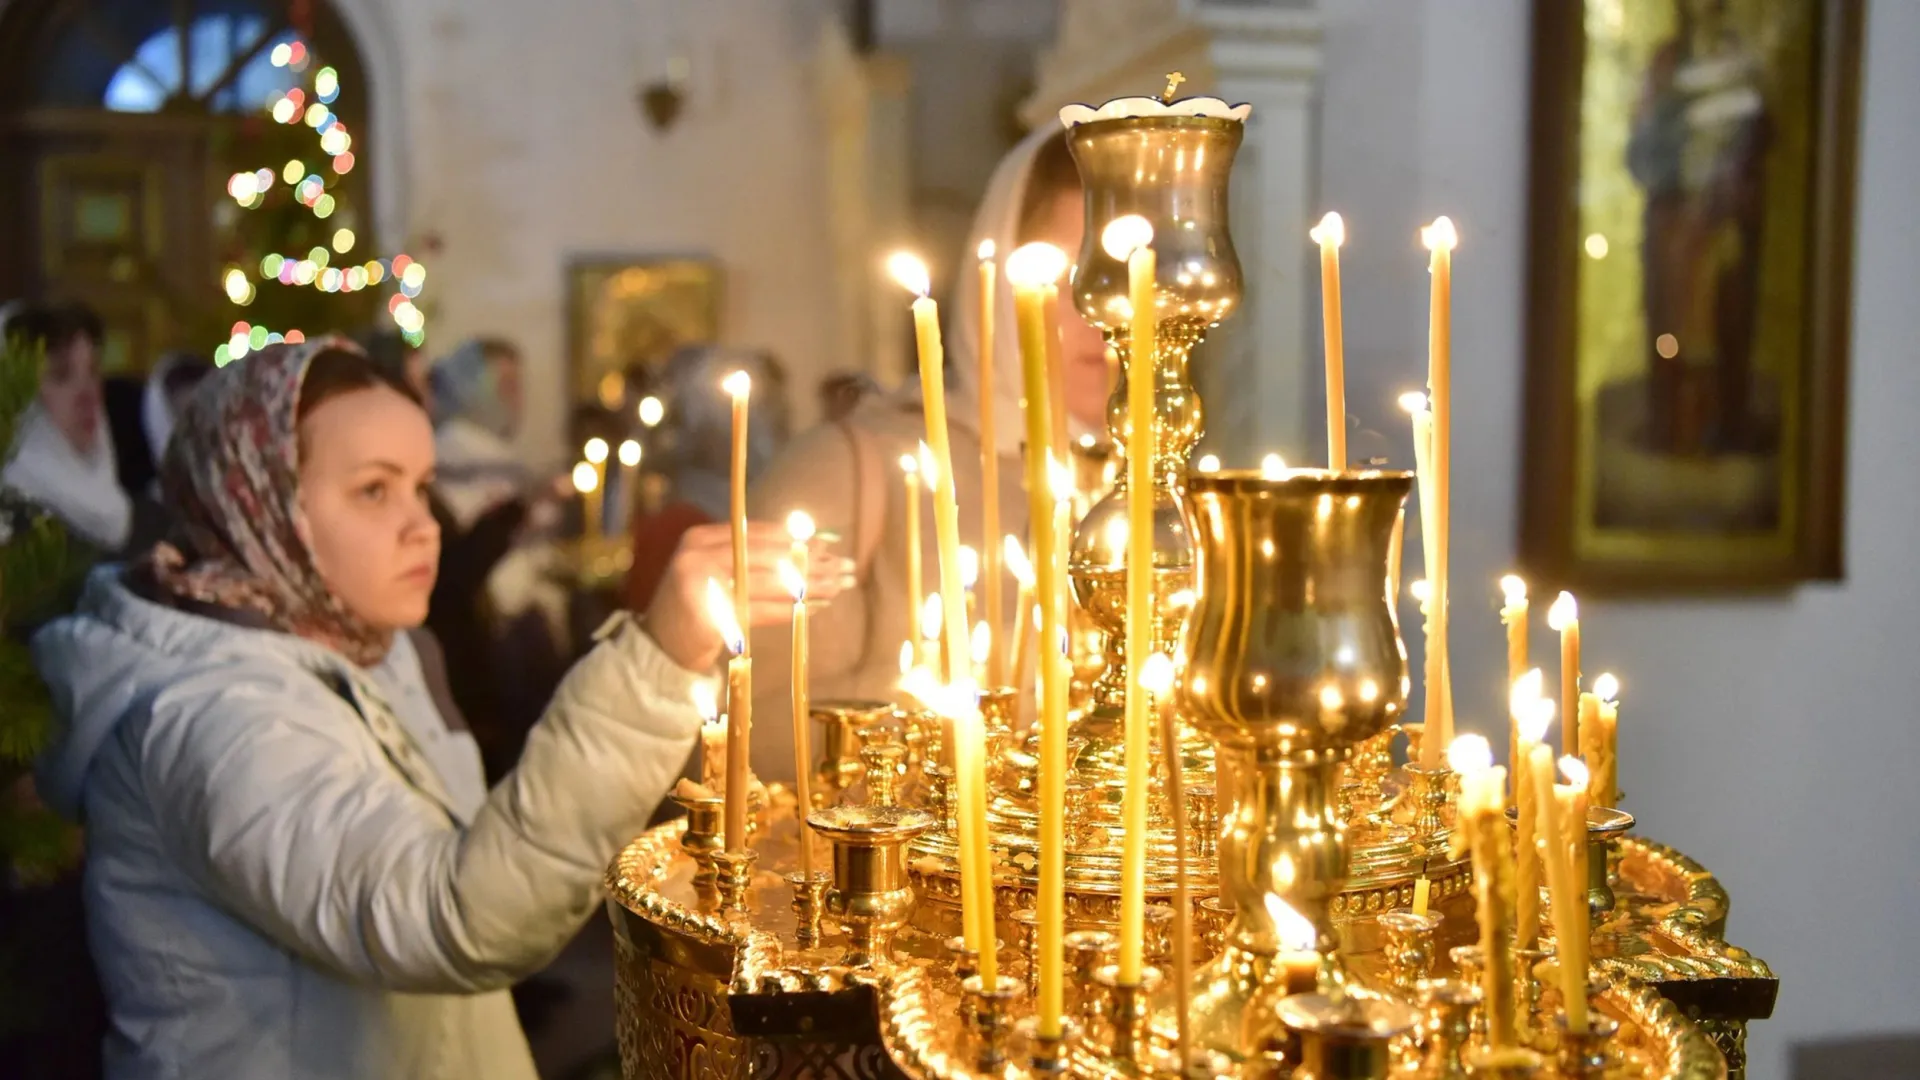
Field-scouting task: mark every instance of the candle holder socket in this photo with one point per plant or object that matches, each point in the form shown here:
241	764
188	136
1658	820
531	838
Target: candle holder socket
1583	1055
1203	821
1409	946
989	1016
1527	996
809	902
1430	791
1088	951
1471	962
885	764
1348	1038
999	711
1047	1055
871	896
1605	826
733	875
1126	1015
1210	927
840	725
706	815
1448	1005
966	958
1506	1063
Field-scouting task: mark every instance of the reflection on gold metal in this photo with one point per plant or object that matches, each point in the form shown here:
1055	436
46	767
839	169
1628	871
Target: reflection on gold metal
870	896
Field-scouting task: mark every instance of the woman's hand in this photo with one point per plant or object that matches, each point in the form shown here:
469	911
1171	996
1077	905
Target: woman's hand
678	618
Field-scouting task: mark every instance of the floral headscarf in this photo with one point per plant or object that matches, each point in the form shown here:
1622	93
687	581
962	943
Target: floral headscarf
232	479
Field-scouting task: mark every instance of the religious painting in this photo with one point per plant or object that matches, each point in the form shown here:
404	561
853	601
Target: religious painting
625	317
1689	266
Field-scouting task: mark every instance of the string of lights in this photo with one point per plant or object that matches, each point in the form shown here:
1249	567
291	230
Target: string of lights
321	267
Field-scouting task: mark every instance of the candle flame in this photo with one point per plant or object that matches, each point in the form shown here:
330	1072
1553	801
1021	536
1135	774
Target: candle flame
1156	675
985	250
1126	234
1526	690
1470	754
720	610
1273	467
706	700
1296	930
908	465
1440	235
1414	402
981	645
1514	588
920	684
630	453
1032	266
1017	562
1331	232
1086	439
739	384
596	450
907	656
1536	721
1208	463
1564	612
929	468
969	567
800	526
1575	771
907	268
1606	686
957	700
931	617
585	478
1059	480
652	411
794	581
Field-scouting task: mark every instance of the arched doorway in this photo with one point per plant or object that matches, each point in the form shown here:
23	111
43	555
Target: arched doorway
121	123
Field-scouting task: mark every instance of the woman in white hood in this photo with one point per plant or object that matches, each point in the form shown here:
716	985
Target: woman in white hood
63	454
847	474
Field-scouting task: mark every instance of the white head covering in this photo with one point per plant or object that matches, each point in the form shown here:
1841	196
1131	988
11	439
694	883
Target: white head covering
998	220
83	491
156	414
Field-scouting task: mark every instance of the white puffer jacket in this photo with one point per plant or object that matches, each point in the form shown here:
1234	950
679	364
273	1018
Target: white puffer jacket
293	867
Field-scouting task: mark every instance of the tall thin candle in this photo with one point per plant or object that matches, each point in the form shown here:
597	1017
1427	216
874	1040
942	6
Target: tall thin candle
1564	616
916	576
1531	714
1513	615
1440	239
1031	270
1434	677
1566	895
794	573
1131	236
990	582
1483	830
1600	743
739	715
1330	234
1157	679
937	465
739	386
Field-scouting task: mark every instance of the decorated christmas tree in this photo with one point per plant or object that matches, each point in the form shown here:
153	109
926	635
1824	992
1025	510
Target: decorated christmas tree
298	262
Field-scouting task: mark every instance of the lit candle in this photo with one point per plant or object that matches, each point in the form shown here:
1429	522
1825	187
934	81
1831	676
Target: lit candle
1566	894
1599	741
979	647
739	713
970	579
932	626
586	481
1031	270
596	452
1440	240
1131	236
1297	959
1531	714
1157	679
916	584
713	735
1564	616
794	573
1056	371
1330	234
996	674
739	386
1023	613
1483	828
1573	822
1513	614
937	465
959	703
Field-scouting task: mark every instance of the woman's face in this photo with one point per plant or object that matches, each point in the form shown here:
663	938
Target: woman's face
366	458
70	392
1083	353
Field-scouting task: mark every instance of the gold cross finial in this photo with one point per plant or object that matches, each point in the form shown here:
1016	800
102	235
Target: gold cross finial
1173	84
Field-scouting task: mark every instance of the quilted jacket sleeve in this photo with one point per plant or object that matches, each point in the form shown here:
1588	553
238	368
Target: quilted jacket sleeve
277	807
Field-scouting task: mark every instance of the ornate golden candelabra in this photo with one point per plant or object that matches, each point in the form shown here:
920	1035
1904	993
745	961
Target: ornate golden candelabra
1271	592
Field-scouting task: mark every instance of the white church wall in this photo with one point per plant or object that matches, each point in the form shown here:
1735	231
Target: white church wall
1771	737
